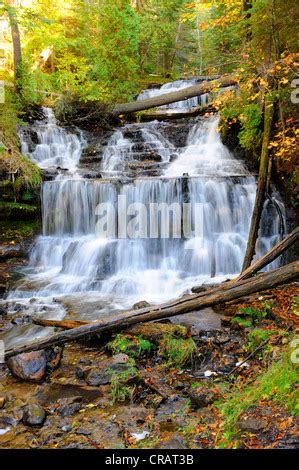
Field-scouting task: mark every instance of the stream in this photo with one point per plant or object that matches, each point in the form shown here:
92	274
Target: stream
74	267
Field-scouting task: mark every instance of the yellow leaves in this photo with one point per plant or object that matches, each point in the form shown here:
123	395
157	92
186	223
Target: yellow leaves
284	144
284	81
253	97
262	82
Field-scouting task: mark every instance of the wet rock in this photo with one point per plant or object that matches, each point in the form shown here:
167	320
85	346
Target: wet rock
252	424
34	415
96	377
83	432
12	251
222	339
66	428
141	304
70	409
53	357
120	358
175	441
29	366
80	373
201	397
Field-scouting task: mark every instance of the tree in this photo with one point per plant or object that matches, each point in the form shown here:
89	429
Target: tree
16	40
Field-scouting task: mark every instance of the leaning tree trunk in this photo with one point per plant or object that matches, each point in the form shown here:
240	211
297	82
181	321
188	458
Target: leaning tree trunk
262	182
16	41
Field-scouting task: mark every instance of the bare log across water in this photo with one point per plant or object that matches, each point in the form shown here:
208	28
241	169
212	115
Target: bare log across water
185	304
173	97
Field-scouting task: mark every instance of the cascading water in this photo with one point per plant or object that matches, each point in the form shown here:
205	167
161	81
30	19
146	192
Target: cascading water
122	151
52	146
71	257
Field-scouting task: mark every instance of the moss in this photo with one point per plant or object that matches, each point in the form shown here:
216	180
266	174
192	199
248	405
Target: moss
12	162
258	336
12	210
130	345
16	230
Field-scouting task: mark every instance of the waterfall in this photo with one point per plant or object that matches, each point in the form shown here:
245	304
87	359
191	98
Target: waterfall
121	150
205	154
51	145
72	257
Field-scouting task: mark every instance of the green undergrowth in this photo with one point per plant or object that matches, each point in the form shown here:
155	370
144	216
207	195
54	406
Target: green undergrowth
249	316
18	172
16	230
122	382
175	350
178	352
277	383
130	345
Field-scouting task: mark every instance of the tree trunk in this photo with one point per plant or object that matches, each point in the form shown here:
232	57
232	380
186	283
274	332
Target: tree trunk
16	41
262	181
168	98
185	304
271	255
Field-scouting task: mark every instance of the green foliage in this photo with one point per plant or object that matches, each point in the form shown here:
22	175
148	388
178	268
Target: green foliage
177	351
120	388
276	383
258	336
132	346
249	316
295	304
26	173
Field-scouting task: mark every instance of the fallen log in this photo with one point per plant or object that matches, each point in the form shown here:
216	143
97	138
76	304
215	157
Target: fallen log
173	97
185	304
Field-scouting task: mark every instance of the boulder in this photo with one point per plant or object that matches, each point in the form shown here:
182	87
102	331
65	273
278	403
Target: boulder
30	366
96	377
201	397
252	424
141	304
33	366
34	415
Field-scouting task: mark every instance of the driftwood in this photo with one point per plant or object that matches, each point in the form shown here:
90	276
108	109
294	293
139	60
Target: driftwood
173	97
185	304
64	324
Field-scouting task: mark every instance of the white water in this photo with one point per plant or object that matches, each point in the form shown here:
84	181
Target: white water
205	154
55	146
69	261
121	150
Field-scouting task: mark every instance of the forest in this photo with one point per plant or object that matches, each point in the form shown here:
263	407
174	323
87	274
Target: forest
149	224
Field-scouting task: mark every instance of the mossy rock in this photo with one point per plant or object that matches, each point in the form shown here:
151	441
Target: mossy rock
15	210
